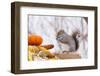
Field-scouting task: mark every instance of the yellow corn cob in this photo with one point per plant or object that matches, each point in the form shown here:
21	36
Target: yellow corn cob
30	56
46	51
33	49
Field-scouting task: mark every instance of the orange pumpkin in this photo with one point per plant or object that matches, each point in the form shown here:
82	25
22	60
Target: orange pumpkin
34	39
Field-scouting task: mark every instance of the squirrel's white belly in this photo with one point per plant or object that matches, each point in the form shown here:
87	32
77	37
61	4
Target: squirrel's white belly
64	47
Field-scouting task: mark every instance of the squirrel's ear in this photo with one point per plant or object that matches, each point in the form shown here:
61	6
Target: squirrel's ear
61	31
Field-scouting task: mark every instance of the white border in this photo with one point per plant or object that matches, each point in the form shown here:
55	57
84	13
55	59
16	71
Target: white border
25	64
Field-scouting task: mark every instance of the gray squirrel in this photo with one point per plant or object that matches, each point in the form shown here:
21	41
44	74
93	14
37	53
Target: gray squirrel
68	41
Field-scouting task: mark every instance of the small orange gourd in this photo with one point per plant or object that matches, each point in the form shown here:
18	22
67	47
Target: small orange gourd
34	39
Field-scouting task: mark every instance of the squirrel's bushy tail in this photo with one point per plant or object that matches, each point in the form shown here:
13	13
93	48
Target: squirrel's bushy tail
76	41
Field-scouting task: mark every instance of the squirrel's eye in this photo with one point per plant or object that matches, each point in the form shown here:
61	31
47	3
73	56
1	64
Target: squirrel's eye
78	35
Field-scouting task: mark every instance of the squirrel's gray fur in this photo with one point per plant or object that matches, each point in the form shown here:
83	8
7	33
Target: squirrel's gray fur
71	41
